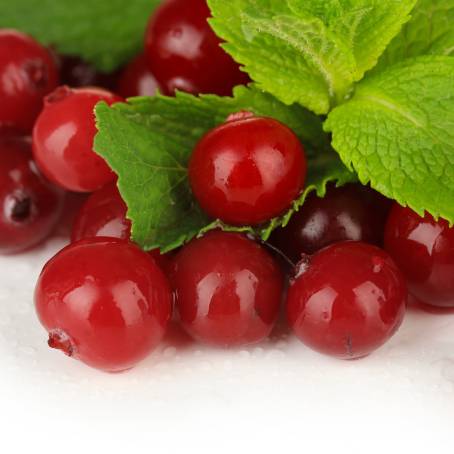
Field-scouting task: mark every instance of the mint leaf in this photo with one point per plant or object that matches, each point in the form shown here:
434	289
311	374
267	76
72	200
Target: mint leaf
397	133
148	144
106	33
309	52
430	31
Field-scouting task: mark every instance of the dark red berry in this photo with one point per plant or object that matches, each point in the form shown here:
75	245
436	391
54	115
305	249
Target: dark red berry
137	79
104	302
63	139
424	250
352	212
185	54
228	289
27	73
347	300
247	171
30	206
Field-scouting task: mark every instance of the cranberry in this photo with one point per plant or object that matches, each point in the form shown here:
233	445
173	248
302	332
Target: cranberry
63	139
247	170
424	250
351	212
27	73
30	206
185	54
137	79
347	300
228	289
104	302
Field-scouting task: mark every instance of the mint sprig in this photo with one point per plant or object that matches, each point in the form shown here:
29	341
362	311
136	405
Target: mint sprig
106	33
148	143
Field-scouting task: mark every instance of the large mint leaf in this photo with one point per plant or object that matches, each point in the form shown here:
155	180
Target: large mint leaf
430	31
105	32
148	144
397	133
310	52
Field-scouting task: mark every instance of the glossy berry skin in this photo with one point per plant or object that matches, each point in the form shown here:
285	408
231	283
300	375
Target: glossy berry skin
247	170
137	79
103	302
347	300
27	73
63	139
30	206
424	250
351	212
228	289
185	54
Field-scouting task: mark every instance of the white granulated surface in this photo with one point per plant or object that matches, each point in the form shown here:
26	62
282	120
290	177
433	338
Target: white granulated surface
278	397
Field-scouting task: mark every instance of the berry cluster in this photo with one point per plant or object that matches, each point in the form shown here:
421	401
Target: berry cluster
343	267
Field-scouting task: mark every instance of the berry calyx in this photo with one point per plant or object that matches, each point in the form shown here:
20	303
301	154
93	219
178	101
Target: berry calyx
228	289
423	248
27	73
63	139
248	170
347	301
103	302
30	206
185	54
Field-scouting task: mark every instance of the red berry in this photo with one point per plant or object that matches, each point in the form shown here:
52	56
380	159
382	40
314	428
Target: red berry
27	73
352	212
228	289
424	250
247	170
137	79
30	205
104	302
347	300
63	139
185	54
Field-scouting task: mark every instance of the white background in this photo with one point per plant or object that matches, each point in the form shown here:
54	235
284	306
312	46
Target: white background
278	397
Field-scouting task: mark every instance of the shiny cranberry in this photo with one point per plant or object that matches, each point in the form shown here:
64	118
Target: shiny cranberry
137	79
63	139
424	250
347	300
228	289
185	54
352	212
104	302
27	73
78	73
247	170
30	206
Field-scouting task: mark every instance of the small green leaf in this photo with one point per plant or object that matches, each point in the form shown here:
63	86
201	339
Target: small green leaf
397	133
106	33
148	143
309	52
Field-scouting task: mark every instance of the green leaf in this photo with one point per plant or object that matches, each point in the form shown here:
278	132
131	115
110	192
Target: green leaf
106	33
148	143
397	133
309	52
430	31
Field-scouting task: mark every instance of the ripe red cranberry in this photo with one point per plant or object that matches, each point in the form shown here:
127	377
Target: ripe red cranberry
351	212
185	54
424	250
247	170
30	206
137	79
104	302
27	73
347	300
63	139
228	289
